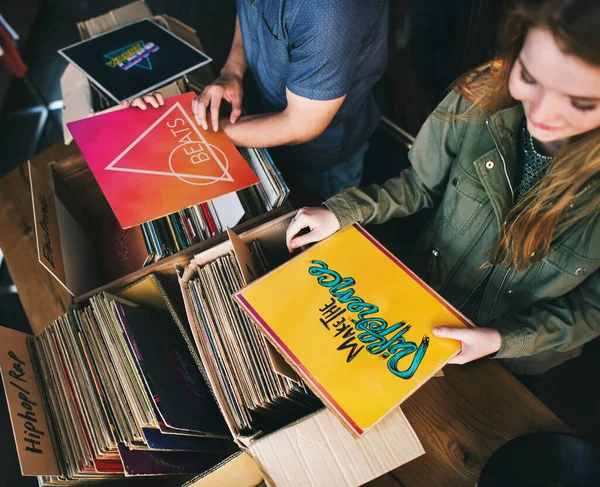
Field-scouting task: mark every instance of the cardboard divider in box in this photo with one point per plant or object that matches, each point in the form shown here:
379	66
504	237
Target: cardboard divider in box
34	430
316	448
81	99
80	242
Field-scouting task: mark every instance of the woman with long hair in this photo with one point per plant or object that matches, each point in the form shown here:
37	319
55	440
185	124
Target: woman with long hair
511	160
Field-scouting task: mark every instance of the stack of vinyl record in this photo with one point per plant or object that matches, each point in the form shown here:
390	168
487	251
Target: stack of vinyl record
177	231
254	395
124	396
173	233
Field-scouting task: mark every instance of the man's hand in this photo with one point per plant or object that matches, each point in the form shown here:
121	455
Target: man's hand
476	342
228	86
301	121
142	102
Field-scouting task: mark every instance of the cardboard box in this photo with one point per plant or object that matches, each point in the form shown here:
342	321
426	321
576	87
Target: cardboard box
317	450
29	417
78	238
75	87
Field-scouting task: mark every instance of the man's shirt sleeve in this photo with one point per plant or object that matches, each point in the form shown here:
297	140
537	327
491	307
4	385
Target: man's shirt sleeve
325	38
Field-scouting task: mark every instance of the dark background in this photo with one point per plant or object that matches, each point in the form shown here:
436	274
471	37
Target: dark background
431	42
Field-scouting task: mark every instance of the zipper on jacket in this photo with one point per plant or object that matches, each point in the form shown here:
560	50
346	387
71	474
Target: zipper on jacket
481	282
459	262
512	192
499	289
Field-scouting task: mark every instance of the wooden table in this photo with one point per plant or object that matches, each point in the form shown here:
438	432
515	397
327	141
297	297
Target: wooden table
460	418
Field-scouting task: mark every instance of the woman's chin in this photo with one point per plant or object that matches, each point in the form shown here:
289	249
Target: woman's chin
545	134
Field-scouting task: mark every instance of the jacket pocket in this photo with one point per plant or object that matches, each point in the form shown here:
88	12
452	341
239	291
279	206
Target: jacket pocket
422	252
561	271
463	199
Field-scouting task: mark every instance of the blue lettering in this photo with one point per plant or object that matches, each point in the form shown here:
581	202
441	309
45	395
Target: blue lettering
374	332
417	359
323	273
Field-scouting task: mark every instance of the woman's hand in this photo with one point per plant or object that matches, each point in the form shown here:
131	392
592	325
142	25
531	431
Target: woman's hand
476	342
155	99
321	223
227	87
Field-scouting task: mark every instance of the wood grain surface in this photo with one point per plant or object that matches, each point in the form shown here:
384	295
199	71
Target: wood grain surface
462	418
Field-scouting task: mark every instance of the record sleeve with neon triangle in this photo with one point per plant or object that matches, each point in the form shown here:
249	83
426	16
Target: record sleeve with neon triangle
134	59
157	161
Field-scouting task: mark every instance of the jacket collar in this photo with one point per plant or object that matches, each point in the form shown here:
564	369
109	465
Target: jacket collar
501	185
504	128
498	168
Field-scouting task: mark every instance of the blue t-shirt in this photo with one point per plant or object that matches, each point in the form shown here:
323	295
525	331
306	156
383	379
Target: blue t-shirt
322	50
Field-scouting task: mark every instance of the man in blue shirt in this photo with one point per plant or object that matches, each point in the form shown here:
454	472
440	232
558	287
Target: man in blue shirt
315	63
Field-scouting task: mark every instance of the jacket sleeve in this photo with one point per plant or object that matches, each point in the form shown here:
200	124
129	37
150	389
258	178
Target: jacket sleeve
560	324
418	186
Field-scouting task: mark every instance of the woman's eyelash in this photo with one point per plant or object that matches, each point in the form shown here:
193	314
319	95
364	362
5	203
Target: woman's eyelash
526	78
583	108
530	81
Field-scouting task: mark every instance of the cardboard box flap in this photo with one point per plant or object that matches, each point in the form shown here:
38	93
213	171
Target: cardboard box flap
81	265
243	257
63	247
77	98
321	451
46	225
181	30
270	234
149	293
115	18
238	471
250	273
27	415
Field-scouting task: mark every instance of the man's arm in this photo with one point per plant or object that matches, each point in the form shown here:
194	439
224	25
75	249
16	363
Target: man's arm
301	121
236	63
228	86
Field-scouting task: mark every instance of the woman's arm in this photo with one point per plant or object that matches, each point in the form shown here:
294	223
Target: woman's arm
418	186
561	324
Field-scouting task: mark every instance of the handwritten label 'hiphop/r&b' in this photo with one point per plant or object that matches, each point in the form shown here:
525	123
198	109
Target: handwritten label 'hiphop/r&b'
29	409
367	331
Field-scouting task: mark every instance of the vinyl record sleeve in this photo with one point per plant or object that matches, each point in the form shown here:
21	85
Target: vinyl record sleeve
155	162
134	59
355	323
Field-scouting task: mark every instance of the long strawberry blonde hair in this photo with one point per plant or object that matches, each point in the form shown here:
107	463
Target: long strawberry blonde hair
544	213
